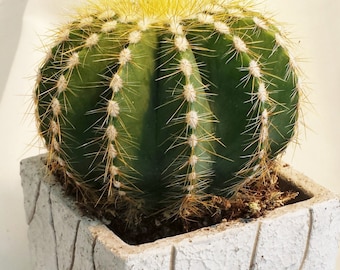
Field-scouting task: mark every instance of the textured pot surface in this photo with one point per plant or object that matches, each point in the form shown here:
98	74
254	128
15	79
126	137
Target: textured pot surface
302	235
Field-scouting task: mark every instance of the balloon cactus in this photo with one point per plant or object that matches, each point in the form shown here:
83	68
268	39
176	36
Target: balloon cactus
157	106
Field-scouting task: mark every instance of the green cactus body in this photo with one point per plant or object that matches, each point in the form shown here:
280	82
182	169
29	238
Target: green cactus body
159	112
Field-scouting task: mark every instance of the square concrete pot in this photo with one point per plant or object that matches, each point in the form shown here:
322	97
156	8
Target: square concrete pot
303	235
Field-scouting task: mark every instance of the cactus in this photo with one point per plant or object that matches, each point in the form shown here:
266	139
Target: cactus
156	106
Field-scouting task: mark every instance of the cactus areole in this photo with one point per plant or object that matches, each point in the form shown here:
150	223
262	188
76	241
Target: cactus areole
156	106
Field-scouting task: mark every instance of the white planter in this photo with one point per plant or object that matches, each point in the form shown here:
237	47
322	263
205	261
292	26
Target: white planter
302	235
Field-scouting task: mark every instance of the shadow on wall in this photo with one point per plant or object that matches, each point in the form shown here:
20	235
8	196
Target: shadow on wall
11	12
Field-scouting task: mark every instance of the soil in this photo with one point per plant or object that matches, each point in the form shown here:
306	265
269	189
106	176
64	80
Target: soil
244	207
251	201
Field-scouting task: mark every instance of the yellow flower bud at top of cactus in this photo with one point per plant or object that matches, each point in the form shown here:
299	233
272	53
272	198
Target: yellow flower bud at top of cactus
154	10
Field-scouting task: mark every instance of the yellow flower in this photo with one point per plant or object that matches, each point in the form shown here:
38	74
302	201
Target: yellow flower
153	10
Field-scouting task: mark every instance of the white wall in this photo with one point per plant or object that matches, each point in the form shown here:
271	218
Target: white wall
10	28
315	25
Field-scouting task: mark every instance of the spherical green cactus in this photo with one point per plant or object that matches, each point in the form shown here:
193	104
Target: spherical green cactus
155	106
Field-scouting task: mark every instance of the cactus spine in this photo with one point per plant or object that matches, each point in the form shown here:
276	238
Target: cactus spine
156	105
